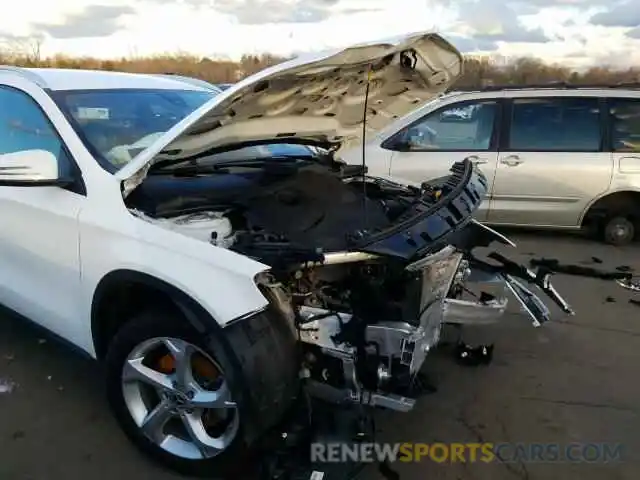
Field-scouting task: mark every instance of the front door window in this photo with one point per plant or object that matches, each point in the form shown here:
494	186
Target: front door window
463	126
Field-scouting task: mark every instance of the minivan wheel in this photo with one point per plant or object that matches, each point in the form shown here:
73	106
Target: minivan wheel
618	230
172	398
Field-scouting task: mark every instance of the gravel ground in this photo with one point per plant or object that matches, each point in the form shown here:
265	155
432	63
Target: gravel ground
571	381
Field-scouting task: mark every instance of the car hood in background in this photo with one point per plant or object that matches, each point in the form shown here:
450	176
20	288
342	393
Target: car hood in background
317	99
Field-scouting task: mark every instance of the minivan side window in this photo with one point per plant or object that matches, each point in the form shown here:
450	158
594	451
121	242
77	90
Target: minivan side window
24	126
555	125
624	117
463	126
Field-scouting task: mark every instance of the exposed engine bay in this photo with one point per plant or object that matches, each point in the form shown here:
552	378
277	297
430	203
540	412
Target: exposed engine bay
366	271
276	208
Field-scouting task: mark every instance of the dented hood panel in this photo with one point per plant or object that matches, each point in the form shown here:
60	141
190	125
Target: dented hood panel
317	98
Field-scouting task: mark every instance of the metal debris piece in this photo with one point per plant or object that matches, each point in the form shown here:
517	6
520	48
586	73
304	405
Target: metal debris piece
632	284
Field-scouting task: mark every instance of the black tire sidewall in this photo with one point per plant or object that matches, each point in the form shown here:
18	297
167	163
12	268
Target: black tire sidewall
143	327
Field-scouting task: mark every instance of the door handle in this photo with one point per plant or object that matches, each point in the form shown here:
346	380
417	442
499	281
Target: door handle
511	160
476	160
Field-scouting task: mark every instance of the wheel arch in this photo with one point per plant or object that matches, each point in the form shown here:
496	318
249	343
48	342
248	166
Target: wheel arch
610	199
121	293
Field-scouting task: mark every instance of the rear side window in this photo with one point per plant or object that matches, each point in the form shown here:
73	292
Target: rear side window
624	116
555	124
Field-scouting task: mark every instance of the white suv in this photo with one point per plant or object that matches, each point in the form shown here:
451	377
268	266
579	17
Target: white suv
193	280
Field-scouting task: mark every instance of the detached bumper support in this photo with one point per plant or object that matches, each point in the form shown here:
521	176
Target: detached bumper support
466	312
510	272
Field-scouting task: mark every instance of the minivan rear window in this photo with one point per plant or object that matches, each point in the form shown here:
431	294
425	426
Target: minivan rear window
624	115
555	124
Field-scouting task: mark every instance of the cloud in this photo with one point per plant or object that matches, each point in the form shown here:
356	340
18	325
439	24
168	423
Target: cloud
549	29
8	36
623	14
93	21
633	33
514	34
255	12
496	21
559	3
471	44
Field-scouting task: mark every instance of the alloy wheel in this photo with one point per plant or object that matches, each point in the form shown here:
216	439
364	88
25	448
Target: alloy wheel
179	398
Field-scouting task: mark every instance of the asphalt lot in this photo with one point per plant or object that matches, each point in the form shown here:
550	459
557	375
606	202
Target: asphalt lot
570	381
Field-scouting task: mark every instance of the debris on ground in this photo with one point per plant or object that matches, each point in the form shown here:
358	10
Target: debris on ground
591	260
632	284
634	302
471	356
624	268
6	386
555	266
610	299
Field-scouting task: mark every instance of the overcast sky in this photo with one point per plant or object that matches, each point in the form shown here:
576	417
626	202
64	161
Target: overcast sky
578	32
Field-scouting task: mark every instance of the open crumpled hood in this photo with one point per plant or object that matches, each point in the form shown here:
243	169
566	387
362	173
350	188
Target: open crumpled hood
316	98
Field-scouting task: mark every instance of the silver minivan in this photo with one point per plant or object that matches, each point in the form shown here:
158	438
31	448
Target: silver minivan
562	158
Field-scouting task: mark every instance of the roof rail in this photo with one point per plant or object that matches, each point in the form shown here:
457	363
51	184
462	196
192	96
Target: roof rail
550	85
26	73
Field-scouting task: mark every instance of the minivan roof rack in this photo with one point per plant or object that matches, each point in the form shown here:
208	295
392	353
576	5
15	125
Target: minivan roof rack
550	85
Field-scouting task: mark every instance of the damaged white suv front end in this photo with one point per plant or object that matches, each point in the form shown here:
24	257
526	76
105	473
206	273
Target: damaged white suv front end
282	275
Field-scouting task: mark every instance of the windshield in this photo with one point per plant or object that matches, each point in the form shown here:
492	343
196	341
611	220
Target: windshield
255	152
117	124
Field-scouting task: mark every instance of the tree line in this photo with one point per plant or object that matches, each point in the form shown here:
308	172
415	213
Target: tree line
478	71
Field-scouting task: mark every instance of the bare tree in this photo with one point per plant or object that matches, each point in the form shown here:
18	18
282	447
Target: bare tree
27	50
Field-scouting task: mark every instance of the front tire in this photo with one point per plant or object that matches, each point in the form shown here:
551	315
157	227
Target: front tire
171	398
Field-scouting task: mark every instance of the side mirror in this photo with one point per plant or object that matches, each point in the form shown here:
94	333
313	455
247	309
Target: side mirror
29	167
